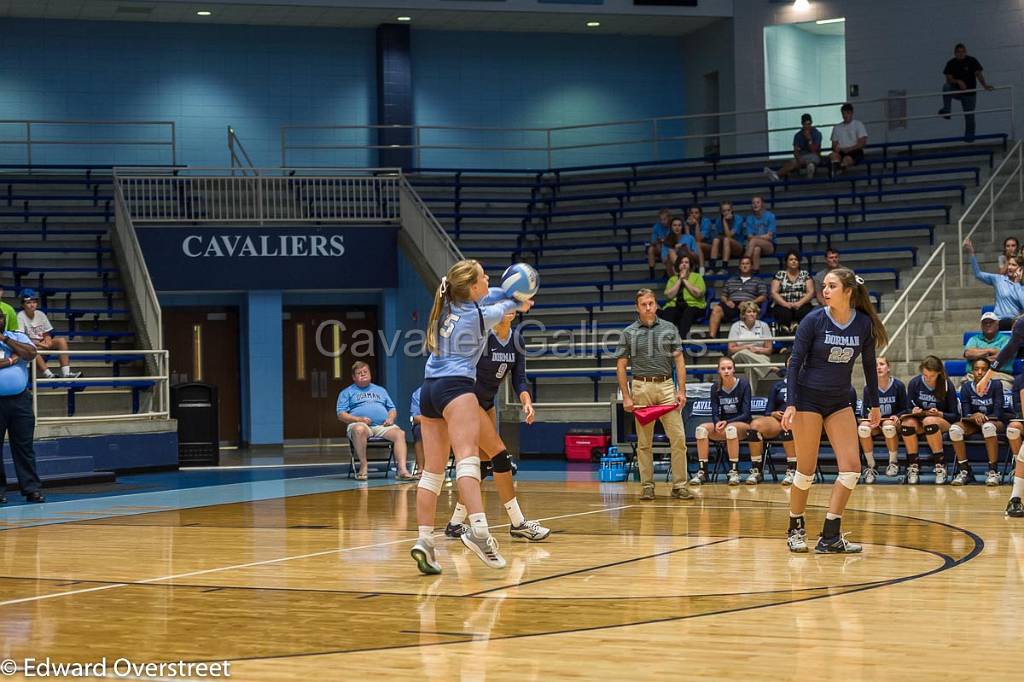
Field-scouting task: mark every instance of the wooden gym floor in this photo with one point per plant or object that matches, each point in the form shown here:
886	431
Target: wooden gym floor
321	586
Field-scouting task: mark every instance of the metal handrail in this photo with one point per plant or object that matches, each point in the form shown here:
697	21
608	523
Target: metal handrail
988	189
904	299
236	159
29	141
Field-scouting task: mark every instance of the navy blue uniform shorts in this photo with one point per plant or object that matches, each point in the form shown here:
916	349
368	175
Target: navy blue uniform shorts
825	403
437	393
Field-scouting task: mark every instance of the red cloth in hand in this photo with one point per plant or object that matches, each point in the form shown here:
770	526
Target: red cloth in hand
646	415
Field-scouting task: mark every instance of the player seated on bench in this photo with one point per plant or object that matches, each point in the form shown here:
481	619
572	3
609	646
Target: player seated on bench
369	412
982	412
37	327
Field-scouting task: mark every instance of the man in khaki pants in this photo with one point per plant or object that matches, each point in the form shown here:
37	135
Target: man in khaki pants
652	346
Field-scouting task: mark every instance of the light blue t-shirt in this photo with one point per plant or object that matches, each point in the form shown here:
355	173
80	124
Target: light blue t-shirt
659	231
1009	294
708	230
372	401
461	340
14	379
685	240
414	404
760	227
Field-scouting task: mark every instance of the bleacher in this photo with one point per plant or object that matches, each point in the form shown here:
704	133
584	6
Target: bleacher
584	228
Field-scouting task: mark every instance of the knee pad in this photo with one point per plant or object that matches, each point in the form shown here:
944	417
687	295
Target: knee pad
988	430
908	431
700	433
889	430
431	481
785	436
468	467
1020	455
848	479
730	432
956	432
864	431
1013	433
754	436
501	463
929	429
802	481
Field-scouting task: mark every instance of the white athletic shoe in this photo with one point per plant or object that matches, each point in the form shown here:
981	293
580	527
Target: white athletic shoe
486	548
733	477
426	561
870	475
992	478
699	478
963	477
913	474
754	477
893	470
771	174
940	474
809	170
797	540
530	530
787	480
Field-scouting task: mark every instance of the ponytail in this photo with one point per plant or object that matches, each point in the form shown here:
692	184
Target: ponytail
442	300
453	289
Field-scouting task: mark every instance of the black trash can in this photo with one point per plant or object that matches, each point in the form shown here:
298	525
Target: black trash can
195	407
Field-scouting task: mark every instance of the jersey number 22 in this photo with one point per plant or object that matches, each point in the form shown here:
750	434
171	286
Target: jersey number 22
840	354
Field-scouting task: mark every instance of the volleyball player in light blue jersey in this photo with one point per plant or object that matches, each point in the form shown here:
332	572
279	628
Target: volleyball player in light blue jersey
456	337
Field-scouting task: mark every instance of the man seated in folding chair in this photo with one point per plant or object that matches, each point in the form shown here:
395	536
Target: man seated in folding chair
370	414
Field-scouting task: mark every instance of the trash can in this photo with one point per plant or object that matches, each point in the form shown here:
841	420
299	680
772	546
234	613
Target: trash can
195	407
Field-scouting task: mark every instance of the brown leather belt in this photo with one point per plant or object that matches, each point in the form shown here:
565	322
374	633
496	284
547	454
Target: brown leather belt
656	379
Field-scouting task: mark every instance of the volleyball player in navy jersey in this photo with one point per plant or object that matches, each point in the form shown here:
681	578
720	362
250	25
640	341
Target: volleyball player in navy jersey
932	407
456	338
892	402
982	411
1014	507
503	357
769	427
730	419
828	342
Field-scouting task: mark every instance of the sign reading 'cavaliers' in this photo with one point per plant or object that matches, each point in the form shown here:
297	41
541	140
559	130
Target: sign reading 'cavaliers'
247	258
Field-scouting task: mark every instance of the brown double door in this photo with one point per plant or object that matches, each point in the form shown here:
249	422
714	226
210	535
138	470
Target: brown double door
320	345
203	344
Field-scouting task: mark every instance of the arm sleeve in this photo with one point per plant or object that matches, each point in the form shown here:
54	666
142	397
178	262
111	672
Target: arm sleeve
716	411
494	295
867	358
343	402
951	411
744	414
864	404
494	313
986	277
622	350
414	405
519	371
1009	351
801	346
997	400
389	404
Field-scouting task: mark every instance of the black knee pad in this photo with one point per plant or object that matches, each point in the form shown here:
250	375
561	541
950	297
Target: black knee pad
908	431
754	436
485	469
929	429
501	462
785	436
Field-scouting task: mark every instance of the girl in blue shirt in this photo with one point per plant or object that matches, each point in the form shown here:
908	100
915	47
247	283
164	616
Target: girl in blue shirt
730	419
892	402
981	411
727	229
456	338
703	233
678	243
828	342
760	231
931	408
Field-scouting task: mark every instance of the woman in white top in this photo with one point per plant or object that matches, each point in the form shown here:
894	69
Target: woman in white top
750	342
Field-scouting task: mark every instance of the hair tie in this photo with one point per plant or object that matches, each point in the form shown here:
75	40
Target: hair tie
444	285
860	280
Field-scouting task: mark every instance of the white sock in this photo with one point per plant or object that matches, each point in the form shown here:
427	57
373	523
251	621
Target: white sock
870	457
791	464
893	457
755	462
832	517
459	515
794	516
427	533
1018	487
478	524
48	374
515	514
65	371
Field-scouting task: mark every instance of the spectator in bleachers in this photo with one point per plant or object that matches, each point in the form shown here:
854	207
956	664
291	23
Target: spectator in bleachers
932	408
1011	250
9	313
658	234
962	72
38	328
792	292
981	411
986	344
727	229
415	418
750	343
367	411
677	243
769	427
685	299
1009	293
730	419
892	402
848	141
759	230
831	263
739	288
699	226
806	152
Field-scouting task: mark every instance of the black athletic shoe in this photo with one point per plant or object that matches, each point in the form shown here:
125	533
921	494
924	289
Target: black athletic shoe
3	498
836	545
35	498
455	530
1015	508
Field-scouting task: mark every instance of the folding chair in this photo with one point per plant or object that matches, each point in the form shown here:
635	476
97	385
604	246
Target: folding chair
374	446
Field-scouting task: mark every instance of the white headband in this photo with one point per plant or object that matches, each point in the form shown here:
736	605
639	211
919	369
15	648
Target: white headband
444	285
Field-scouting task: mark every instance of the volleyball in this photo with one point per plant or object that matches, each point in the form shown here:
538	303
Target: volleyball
520	281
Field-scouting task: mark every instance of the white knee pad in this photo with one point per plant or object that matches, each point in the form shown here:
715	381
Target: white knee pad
864	431
802	481
468	467
730	432
889	430
848	479
432	482
1013	433
988	430
700	433
1020	455
956	433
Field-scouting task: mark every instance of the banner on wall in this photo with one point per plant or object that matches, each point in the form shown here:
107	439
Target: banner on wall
246	258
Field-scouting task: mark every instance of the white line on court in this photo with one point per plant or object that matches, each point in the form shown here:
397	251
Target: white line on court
191	574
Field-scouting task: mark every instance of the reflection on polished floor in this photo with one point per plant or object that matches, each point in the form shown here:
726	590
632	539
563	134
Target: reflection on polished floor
313	581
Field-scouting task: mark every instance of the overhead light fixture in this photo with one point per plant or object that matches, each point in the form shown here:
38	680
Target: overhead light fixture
802	5
822	22
403	18
204	13
593	24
